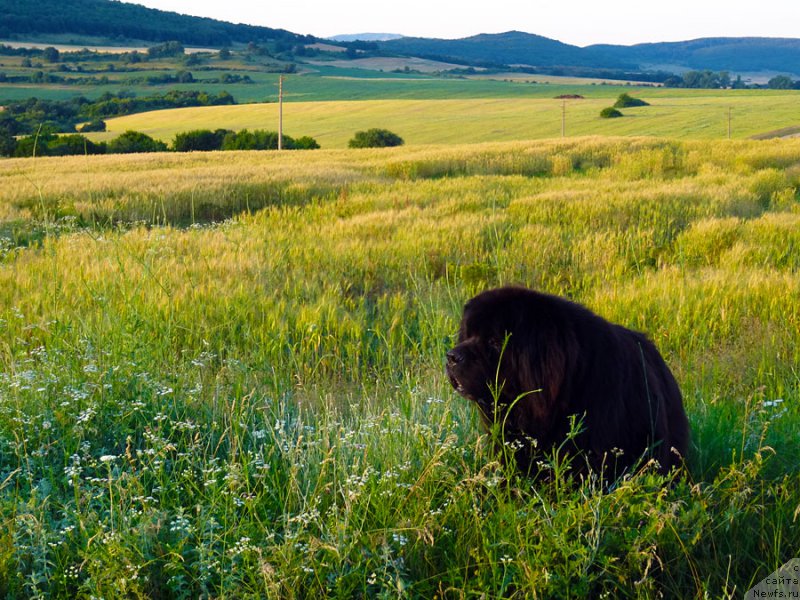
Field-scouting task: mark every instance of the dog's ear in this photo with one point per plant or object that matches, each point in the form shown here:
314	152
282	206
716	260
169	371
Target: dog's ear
539	365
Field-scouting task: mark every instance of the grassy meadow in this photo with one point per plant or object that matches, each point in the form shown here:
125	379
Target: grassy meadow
317	82
221	374
673	113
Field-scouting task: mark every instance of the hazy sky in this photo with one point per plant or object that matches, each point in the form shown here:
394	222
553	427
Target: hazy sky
579	22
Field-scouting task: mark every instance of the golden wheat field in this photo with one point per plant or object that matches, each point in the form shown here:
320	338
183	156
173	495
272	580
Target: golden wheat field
685	114
221	373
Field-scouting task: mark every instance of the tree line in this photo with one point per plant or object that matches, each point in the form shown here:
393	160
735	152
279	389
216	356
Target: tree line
199	140
723	80
121	20
27	116
46	143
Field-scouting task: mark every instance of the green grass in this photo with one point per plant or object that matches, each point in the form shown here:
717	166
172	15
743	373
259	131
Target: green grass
256	407
340	82
332	124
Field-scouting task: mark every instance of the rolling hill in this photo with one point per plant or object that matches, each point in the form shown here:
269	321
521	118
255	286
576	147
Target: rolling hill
365	37
738	55
781	55
510	48
125	21
121	20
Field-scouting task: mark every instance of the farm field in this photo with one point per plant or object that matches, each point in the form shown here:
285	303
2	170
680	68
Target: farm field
556	79
332	124
386	63
221	374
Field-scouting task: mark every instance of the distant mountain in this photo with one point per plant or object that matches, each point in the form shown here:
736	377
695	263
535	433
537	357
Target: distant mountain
111	19
365	37
737	55
740	55
510	48
108	19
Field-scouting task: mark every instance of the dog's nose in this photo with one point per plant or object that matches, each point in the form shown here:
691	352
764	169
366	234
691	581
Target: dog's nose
454	357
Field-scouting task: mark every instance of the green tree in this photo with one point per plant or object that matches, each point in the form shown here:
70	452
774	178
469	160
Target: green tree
35	145
75	144
135	141
199	140
375	138
51	54
780	82
253	140
610	113
96	125
166	49
132	57
705	79
8	143
305	143
184	77
627	101
265	140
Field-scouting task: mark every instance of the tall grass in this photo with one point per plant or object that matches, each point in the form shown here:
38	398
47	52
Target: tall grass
255	407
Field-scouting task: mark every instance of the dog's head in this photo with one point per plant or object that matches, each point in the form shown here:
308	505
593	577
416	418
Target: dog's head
487	363
505	353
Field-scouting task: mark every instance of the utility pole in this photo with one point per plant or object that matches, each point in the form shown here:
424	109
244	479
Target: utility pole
563	118
280	112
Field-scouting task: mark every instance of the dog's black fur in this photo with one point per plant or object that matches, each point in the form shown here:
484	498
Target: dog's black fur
548	359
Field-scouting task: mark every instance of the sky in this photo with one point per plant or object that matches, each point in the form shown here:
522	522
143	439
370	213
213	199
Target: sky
578	22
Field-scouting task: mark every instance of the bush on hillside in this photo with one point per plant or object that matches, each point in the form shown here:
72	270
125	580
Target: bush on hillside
305	143
610	113
96	125
49	144
165	50
199	140
8	143
74	145
260	139
375	138
135	141
628	101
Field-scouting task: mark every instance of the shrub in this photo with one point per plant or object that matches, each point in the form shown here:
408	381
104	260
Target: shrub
199	140
8	143
74	144
780	82
375	138
627	101
610	113
96	125
165	50
306	143
49	144
251	140
265	140
135	141
51	54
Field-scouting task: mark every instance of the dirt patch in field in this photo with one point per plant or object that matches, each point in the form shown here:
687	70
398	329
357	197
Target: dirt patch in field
100	49
326	48
385	63
786	132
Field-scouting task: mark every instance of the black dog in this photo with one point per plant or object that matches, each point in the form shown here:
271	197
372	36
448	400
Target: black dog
533	363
